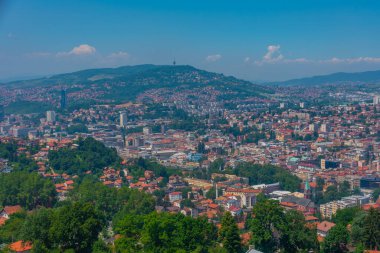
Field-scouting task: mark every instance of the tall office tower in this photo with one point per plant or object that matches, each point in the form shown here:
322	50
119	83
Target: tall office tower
50	116
63	99
123	119
325	128
2	114
376	100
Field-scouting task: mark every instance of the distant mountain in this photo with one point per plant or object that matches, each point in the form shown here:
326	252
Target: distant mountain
127	82
336	78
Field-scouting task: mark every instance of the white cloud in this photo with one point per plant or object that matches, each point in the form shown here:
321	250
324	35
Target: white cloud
273	54
247	59
83	49
213	58
297	60
336	60
119	55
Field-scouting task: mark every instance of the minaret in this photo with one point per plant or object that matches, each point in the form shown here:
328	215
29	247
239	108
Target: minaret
216	190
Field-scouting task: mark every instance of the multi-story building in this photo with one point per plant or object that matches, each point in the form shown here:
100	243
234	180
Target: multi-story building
50	116
329	209
376	100
123	119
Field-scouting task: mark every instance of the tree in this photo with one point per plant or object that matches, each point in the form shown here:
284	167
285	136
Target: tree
295	235
376	194
346	215
357	229
164	232
11	230
26	189
201	148
36	227
371	234
268	218
229	234
75	226
336	240
89	155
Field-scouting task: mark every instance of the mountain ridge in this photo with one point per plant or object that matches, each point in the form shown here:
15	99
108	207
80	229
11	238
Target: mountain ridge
334	78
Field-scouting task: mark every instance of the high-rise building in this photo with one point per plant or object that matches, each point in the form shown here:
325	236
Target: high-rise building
324	128
123	119
376	100
63	99
50	116
2	113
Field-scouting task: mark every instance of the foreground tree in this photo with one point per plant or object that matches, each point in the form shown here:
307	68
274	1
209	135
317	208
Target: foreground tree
336	240
229	234
268	218
295	235
75	226
371	234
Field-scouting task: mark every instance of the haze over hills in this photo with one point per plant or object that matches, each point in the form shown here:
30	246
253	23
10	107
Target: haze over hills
335	78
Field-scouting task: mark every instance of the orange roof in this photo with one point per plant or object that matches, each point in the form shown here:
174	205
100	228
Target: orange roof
368	206
12	209
288	204
2	221
21	246
325	226
313	184
311	218
213	206
245	238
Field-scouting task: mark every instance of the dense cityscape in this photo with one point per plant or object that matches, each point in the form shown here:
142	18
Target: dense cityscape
250	166
189	126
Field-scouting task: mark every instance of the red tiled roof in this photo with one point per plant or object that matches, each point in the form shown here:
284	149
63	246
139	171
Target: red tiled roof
325	226
12	209
2	221
21	246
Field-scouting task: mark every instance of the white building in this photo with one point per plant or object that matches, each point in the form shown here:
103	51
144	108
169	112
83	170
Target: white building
123	119
376	100
147	130
50	116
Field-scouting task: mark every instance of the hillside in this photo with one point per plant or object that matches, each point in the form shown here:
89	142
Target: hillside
368	77
123	84
140	75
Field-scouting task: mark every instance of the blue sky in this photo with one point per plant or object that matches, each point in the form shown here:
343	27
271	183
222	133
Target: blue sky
255	40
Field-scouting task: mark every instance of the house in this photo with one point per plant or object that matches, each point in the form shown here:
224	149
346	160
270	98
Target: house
324	227
235	210
9	210
2	221
303	205
173	196
21	247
